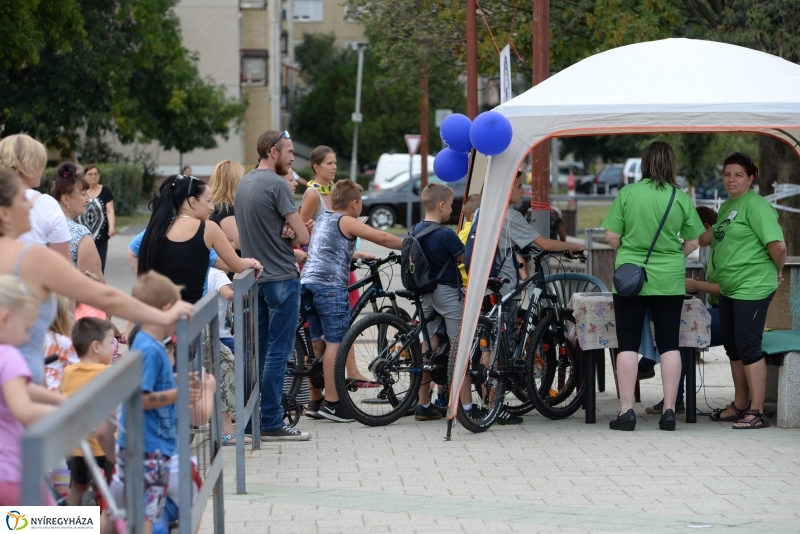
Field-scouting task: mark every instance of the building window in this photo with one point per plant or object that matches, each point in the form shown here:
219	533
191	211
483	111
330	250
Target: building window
308	10
253	4
351	15
254	67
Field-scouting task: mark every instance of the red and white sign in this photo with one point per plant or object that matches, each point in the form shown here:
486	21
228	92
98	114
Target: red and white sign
412	142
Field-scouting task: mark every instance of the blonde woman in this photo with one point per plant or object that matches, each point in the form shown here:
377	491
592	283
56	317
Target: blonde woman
225	178
28	157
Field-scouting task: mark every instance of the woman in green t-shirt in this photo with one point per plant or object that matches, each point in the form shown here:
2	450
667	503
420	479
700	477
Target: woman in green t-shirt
748	253
631	225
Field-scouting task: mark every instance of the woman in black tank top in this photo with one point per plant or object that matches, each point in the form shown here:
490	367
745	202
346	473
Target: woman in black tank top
185	202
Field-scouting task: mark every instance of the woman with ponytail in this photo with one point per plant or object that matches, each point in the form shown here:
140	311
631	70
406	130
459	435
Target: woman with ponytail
179	236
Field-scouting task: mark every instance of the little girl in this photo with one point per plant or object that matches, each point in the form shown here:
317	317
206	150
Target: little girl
57	343
19	309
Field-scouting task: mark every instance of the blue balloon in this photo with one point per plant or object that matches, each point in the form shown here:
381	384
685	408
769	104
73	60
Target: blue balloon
490	133
451	166
454	132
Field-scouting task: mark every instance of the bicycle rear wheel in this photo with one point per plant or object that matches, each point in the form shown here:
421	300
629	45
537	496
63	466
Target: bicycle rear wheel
395	373
556	372
487	391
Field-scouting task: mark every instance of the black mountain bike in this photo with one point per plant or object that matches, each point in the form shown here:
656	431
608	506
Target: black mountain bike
303	363
521	358
388	347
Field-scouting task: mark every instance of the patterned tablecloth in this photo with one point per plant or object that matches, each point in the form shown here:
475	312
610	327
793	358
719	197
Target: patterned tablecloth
596	325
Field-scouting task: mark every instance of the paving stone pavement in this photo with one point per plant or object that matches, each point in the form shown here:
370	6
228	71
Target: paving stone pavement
542	476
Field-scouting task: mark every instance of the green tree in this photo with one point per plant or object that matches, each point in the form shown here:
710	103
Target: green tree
27	25
322	110
130	76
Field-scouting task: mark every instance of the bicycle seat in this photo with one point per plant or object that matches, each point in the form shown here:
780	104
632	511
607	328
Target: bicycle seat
494	284
410	295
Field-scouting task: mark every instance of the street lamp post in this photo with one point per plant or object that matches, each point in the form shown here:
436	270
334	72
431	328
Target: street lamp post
356	117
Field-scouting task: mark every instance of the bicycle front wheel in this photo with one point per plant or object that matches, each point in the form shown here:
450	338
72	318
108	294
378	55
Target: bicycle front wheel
486	386
385	351
556	372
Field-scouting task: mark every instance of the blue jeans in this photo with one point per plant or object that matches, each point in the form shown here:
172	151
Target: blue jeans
278	309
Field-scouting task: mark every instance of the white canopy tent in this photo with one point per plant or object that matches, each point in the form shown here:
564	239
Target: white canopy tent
673	85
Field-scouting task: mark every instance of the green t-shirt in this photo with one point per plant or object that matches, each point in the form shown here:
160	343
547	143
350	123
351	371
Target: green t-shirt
635	215
713	300
742	265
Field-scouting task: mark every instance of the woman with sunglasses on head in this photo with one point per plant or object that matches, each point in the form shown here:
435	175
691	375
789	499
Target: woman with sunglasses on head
748	253
179	236
100	217
70	190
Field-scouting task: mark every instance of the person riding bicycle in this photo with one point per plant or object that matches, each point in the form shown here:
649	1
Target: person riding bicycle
324	283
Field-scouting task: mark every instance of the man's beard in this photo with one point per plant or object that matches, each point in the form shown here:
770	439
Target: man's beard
282	168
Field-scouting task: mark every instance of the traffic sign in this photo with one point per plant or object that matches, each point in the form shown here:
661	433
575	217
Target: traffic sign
412	142
356	117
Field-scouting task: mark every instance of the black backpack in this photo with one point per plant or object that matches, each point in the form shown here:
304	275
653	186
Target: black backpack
415	271
470	245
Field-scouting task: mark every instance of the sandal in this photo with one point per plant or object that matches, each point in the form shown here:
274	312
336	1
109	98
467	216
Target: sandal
759	421
230	440
716	415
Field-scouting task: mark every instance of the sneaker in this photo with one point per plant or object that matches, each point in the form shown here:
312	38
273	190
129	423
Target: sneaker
313	409
504	417
285	433
476	412
431	413
657	409
337	413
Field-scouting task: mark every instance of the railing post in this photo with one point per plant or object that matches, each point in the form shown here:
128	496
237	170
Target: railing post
248	391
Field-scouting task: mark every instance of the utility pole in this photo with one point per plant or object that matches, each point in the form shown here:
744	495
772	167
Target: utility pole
472	60
275	65
540	154
356	117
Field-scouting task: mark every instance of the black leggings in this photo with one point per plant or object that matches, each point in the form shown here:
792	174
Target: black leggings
630	313
742	324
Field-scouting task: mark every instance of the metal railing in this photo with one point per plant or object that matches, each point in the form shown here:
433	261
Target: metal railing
205	441
56	435
248	392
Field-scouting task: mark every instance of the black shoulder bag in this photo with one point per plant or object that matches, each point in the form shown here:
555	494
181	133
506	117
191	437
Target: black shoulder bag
629	277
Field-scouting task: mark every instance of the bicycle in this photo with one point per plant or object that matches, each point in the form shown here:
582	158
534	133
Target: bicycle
521	356
388	346
304	364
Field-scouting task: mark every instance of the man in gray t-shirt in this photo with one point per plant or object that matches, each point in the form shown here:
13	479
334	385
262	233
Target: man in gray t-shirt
263	200
265	207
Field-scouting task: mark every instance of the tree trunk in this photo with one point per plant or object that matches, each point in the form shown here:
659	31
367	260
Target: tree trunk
423	133
780	163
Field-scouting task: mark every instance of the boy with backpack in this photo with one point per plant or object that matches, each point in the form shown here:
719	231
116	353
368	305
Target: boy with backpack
325	278
439	248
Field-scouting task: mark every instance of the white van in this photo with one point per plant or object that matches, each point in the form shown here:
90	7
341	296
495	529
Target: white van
632	170
392	170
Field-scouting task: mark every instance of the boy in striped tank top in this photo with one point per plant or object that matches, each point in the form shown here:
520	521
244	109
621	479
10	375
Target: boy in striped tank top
324	283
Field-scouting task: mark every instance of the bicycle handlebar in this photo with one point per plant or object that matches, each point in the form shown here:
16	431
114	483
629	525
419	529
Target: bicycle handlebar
374	264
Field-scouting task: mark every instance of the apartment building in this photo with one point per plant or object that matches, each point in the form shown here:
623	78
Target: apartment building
235	46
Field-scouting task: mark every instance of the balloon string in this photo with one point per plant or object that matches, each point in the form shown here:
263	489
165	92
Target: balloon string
511	31
487	26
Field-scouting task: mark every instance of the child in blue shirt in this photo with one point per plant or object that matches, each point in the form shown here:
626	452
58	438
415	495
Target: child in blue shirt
159	395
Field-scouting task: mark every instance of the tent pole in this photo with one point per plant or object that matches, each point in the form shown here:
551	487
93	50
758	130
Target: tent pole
472	60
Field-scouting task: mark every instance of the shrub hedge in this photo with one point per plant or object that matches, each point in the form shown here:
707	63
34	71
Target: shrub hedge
125	182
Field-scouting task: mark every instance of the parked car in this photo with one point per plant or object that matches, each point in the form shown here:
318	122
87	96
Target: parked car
368	169
609	181
392	169
385	208
714	188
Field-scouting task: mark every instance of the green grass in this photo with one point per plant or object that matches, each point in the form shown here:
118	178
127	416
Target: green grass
591	216
123	221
